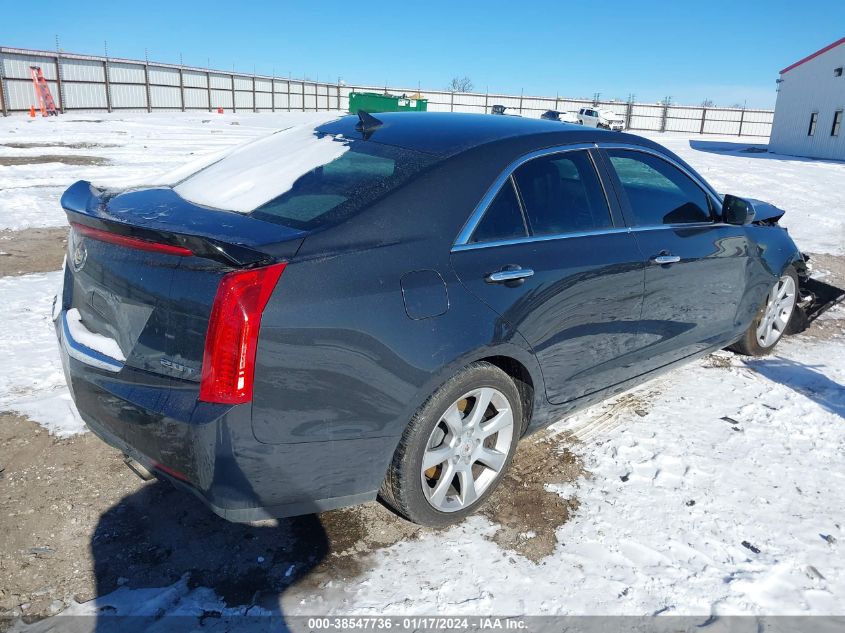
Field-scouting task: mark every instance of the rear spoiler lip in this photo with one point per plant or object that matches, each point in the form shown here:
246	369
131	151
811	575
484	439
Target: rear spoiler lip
226	237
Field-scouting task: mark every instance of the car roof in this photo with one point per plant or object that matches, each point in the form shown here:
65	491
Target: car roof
447	133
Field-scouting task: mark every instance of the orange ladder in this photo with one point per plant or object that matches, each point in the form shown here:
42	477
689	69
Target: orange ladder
42	92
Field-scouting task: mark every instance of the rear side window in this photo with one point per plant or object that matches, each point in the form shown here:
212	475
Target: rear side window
503	218
562	194
658	192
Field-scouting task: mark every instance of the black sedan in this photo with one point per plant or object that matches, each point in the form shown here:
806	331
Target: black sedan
385	306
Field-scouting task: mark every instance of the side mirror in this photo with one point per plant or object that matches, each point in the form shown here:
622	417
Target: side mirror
737	210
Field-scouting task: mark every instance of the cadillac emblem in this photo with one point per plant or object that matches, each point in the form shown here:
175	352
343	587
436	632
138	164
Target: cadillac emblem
78	255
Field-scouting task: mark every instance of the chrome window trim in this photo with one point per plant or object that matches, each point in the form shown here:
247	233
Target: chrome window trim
475	217
563	236
538	238
462	242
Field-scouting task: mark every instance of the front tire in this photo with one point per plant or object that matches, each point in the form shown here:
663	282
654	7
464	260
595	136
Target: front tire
456	448
774	318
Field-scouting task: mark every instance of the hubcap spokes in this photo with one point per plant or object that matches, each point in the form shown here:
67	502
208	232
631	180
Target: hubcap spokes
779	306
467	449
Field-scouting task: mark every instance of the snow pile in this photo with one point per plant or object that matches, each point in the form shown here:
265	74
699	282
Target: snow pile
260	171
92	340
31	378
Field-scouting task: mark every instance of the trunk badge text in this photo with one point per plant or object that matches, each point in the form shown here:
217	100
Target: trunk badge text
166	362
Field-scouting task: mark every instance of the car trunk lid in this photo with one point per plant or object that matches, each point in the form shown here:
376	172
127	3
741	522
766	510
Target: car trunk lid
143	270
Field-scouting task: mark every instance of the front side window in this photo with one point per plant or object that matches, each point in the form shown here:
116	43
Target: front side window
814	119
837	123
658	192
503	218
562	194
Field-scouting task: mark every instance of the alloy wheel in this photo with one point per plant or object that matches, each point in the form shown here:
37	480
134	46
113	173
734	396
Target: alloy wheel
467	449
780	303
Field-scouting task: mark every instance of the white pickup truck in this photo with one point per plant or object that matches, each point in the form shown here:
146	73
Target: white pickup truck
601	117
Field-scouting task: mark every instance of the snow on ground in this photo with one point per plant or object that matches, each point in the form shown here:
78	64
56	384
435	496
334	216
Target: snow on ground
721	492
723	495
31	377
136	147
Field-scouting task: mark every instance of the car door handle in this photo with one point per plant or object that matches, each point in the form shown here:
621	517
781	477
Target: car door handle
666	259
511	273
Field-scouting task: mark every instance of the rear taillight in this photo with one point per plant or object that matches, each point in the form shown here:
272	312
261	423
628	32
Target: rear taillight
129	242
228	365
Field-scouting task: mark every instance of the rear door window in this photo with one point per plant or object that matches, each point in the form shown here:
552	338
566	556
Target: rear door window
562	194
503	219
657	191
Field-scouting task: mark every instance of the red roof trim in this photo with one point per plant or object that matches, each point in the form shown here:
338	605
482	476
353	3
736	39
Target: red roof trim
816	54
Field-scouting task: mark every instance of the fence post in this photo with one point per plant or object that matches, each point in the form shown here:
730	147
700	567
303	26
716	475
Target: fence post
628	111
703	119
486	98
451	102
208	87
520	102
288	92
254	102
741	121
302	85
147	85
3	92
273	94
182	87
664	116
232	79
59	84
108	84
338	93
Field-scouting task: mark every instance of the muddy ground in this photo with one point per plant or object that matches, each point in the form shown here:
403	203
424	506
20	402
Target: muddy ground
67	159
77	523
32	251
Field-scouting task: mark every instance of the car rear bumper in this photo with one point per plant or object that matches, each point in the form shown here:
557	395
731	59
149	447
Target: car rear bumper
210	450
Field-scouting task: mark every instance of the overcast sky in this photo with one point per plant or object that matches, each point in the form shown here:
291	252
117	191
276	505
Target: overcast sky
727	52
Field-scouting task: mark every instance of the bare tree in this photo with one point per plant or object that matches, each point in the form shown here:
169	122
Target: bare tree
460	84
707	103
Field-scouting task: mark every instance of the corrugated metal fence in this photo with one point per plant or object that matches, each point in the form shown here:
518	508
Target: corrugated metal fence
89	82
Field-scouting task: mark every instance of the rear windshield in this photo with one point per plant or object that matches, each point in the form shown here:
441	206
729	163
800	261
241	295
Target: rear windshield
328	194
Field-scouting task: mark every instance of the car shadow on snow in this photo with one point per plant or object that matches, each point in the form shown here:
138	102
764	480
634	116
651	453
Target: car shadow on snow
160	551
803	378
750	150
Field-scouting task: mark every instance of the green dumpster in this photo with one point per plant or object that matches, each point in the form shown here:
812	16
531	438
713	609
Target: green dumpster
376	102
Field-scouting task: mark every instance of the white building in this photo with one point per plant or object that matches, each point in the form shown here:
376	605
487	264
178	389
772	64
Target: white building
809	111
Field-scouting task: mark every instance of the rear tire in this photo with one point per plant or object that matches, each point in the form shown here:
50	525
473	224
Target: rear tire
774	318
456	448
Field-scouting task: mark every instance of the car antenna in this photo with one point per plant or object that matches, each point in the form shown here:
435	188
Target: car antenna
367	123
